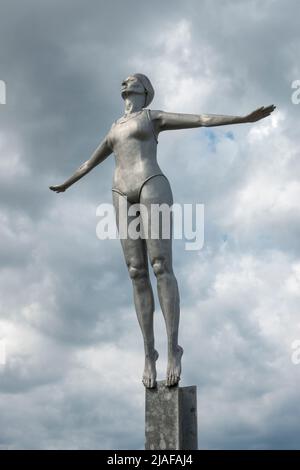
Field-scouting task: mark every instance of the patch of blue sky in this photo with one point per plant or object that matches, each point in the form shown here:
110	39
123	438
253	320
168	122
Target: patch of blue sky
213	138
229	135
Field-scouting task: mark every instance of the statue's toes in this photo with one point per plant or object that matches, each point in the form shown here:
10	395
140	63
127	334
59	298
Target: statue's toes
152	383
169	380
144	380
172	379
176	379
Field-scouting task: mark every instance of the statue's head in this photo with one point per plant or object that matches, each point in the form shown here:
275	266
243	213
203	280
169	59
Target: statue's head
140	84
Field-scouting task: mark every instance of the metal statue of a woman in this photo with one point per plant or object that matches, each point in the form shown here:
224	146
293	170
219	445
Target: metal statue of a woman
139	179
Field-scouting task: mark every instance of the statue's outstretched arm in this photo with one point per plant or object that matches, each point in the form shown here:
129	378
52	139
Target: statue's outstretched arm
100	154
169	121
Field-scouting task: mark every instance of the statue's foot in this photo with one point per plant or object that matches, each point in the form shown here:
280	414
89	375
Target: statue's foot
174	367
149	377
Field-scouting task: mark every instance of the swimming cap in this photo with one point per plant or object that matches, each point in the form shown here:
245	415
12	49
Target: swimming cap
147	85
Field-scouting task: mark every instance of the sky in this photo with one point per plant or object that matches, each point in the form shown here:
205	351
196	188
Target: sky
72	374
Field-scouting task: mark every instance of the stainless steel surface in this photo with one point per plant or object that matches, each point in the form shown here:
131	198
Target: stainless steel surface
133	140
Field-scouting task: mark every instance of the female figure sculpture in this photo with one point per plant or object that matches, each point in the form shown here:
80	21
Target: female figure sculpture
139	179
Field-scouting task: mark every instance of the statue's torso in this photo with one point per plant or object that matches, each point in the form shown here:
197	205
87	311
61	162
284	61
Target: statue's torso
134	144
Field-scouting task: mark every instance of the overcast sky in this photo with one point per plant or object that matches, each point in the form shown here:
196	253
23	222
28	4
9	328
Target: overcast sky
72	379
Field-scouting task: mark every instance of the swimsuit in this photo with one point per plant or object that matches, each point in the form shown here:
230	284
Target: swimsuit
136	197
134	194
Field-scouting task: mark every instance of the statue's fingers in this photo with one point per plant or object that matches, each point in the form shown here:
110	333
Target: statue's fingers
259	111
257	114
269	109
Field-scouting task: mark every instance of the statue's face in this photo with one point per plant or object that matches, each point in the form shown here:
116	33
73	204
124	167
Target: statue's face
131	85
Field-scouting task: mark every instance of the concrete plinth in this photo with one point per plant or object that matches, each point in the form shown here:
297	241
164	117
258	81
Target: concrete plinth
171	418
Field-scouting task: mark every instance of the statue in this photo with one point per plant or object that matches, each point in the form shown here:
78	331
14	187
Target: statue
138	179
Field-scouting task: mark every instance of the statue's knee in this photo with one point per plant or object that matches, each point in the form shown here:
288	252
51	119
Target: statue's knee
160	266
137	271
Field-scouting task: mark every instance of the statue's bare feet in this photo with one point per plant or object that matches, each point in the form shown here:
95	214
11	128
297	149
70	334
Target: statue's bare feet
149	377
174	367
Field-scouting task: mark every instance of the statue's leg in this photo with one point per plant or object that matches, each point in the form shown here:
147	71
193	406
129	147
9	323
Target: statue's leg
157	191
135	253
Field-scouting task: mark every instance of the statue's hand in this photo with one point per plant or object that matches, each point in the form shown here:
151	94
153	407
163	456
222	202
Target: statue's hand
260	113
60	188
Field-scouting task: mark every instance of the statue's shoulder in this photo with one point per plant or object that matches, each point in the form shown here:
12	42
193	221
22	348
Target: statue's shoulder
155	114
